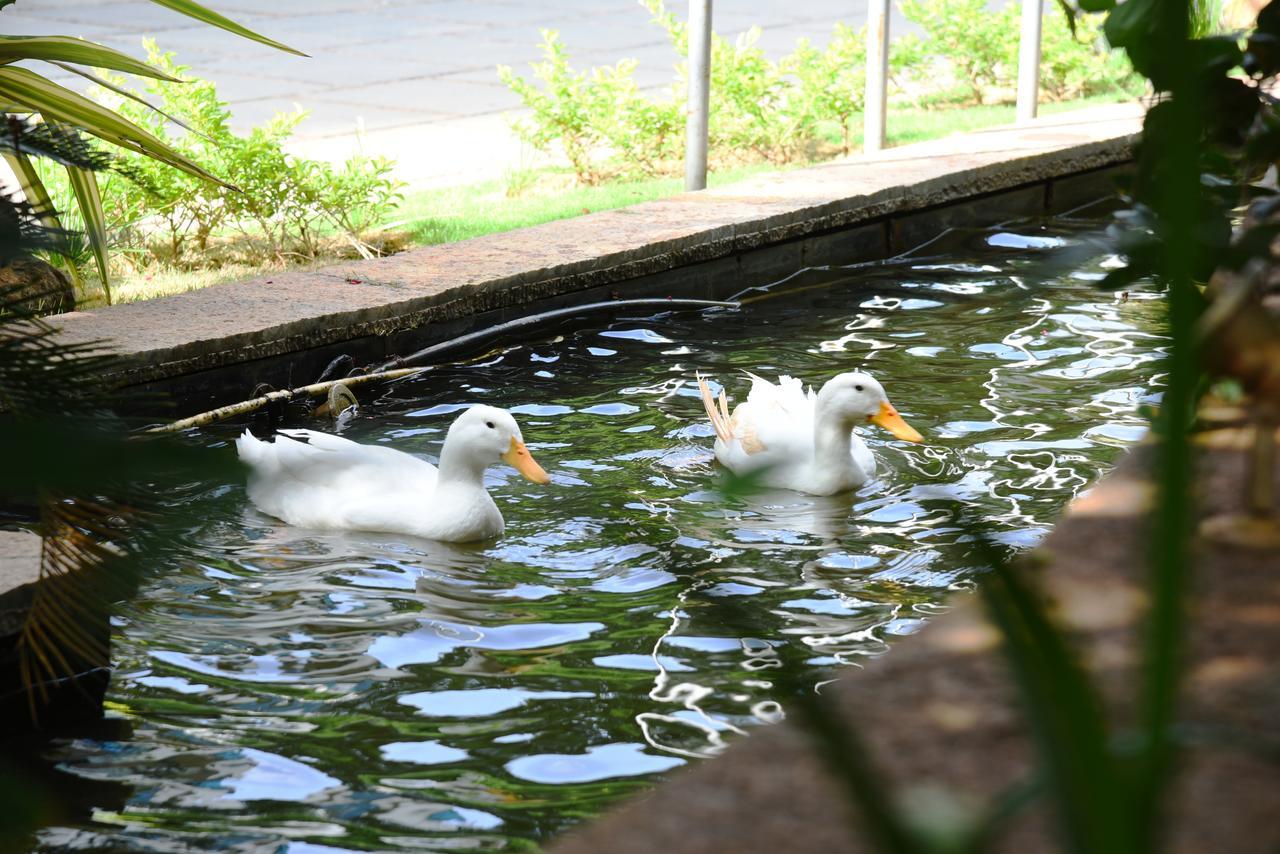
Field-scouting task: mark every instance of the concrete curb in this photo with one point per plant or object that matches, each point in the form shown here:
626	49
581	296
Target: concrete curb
211	346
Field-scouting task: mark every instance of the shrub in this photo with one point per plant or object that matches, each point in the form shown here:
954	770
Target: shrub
566	112
977	50
784	111
760	109
975	45
832	82
286	207
754	114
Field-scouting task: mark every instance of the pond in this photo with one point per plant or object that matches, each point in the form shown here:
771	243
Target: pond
302	691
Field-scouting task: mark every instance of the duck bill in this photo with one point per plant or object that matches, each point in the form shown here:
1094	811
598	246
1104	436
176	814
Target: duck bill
519	457
889	419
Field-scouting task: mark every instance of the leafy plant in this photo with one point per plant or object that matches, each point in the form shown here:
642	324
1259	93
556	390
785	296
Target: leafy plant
282	206
832	83
606	127
1077	62
974	44
566	110
790	110
754	114
27	93
93	485
977	49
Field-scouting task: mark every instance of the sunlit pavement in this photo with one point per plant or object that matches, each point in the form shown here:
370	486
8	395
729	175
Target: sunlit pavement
413	79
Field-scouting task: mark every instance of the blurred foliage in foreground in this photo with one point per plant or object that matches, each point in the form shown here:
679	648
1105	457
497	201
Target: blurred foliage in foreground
88	484
805	105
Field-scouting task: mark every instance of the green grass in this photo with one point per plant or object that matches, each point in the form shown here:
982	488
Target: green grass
917	125
456	213
522	199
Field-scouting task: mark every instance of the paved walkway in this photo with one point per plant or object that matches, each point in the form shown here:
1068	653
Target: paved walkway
413	79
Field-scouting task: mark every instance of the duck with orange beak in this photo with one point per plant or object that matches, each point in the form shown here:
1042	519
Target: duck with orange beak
318	480
796	439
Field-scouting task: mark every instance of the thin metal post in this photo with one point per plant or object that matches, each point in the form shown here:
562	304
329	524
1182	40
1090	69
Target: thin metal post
876	106
695	129
1029	59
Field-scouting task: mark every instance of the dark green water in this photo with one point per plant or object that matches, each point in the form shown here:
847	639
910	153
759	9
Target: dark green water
300	691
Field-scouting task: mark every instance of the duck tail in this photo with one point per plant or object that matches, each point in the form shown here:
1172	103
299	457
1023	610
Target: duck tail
250	448
719	419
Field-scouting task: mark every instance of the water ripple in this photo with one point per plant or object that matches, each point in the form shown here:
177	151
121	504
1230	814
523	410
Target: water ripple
396	694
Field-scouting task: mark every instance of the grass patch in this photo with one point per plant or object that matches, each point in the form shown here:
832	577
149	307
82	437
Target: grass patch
450	214
917	124
457	213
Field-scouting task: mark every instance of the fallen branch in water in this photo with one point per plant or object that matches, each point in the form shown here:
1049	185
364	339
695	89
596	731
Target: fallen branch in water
397	368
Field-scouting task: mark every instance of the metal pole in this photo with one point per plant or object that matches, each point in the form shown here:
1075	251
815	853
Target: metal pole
1029	60
875	109
695	129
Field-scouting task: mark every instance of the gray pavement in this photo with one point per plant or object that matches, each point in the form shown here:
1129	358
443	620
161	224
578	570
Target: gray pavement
413	79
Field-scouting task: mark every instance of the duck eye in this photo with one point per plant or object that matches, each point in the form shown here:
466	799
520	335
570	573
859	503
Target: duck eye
857	388
489	424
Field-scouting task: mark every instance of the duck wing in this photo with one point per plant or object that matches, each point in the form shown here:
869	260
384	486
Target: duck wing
309	463
776	419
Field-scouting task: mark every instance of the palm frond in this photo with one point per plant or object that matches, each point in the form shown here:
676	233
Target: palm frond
59	144
27	226
127	93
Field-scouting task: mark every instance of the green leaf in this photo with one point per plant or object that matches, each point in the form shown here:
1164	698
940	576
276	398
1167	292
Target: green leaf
60	104
132	96
1064	710
33	188
85	185
1129	22
38	195
208	16
78	51
1096	5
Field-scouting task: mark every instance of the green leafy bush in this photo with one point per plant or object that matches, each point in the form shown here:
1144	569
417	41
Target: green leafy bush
793	109
564	111
606	127
832	83
975	50
964	40
283	207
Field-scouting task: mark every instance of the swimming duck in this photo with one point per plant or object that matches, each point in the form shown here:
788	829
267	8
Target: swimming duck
318	480
800	440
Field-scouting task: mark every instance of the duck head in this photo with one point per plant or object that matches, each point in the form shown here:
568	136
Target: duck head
484	435
856	398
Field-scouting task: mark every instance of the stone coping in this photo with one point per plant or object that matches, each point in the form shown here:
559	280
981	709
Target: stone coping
941	718
422	290
19	564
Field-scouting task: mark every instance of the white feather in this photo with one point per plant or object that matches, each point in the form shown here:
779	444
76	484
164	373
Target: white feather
775	433
318	480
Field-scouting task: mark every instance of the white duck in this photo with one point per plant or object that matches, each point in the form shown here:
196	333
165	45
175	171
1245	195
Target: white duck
330	482
798	440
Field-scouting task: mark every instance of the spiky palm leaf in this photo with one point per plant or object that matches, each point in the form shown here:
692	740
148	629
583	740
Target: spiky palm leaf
24	91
